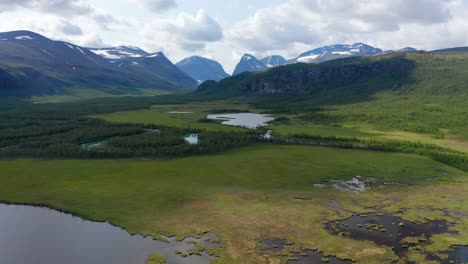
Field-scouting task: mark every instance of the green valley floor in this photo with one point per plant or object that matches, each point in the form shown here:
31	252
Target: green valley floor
253	193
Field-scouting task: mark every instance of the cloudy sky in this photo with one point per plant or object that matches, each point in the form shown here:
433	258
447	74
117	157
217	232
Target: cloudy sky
224	30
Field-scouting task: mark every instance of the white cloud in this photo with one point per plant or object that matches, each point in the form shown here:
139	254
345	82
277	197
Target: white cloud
58	7
159	5
68	28
290	27
185	32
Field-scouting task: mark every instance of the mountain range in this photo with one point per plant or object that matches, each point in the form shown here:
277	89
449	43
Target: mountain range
303	79
249	63
31	64
202	69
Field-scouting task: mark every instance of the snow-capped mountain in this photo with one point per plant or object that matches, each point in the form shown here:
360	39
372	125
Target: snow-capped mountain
31	64
407	49
273	61
134	59
121	52
156	65
202	69
249	63
327	53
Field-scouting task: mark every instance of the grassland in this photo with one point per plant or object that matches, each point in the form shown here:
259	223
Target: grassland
266	191
190	115
73	95
248	194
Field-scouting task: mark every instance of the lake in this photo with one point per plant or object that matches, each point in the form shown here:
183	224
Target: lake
43	236
248	120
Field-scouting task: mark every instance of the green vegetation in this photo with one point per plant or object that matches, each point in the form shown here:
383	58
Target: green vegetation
156	259
58	130
414	120
191	115
245	195
71	95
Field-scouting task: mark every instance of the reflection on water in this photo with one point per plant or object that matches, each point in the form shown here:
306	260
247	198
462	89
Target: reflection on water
44	236
247	120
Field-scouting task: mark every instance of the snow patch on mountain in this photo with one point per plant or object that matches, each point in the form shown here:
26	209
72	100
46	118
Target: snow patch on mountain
24	37
327	53
68	45
80	50
121	52
345	52
273	61
306	59
105	54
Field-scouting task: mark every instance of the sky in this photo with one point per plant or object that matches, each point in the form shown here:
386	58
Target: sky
226	29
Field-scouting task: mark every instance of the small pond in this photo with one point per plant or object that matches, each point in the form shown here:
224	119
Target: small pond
387	230
192	139
43	236
275	246
458	254
93	145
248	120
268	135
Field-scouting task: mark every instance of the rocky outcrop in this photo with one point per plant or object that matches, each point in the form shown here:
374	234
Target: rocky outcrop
303	79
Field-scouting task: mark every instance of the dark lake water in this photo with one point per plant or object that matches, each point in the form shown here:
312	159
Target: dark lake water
43	236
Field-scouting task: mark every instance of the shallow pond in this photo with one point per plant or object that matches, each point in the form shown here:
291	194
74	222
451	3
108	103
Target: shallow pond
192	139
93	145
458	254
315	257
275	246
44	236
248	120
386	230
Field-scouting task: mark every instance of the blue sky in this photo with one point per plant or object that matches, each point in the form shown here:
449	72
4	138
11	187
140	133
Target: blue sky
225	30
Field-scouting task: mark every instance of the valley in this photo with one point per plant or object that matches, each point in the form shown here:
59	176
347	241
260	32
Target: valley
351	159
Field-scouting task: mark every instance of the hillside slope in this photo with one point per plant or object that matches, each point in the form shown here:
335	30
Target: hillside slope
307	79
31	64
419	96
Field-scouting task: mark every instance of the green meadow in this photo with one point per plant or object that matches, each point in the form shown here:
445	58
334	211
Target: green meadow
246	195
190	115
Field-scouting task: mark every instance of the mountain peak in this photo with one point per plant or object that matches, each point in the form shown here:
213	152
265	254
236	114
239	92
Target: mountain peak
21	35
202	69
247	57
249	63
273	61
331	52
